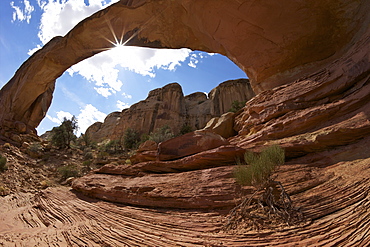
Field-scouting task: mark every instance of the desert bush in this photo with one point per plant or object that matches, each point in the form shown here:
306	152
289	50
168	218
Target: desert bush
3	165
88	155
113	146
131	139
273	202
86	163
35	147
237	105
86	166
68	171
161	134
186	128
256	170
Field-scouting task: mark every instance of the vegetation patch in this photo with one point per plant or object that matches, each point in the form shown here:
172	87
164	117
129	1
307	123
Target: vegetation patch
67	171
237	105
270	205
63	135
3	165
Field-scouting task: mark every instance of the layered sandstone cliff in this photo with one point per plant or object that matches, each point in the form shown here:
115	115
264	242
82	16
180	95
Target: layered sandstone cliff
168	106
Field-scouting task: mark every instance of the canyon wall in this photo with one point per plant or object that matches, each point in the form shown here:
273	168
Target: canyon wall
168	106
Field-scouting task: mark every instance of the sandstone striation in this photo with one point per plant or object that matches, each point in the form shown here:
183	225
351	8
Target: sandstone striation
168	106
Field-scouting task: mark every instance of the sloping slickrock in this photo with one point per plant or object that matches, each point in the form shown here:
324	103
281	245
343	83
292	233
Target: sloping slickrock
206	188
221	156
336	198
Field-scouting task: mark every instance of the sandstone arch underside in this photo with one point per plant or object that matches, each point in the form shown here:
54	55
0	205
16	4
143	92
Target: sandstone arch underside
273	42
309	63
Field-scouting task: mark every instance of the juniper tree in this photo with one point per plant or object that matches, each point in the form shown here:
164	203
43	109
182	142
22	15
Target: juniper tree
63	135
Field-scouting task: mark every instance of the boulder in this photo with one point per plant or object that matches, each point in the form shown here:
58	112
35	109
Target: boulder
223	126
148	146
189	144
147	151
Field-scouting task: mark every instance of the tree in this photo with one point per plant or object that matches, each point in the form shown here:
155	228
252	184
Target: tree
131	138
273	202
63	135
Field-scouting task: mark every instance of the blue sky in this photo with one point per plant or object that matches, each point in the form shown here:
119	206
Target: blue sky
109	81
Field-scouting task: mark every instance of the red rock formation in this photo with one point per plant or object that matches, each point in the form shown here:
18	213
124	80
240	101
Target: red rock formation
273	51
224	125
147	151
168	106
189	144
323	110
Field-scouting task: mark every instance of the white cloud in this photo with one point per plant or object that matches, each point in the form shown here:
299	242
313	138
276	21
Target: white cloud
22	14
193	60
89	115
60	16
105	92
126	96
122	105
30	52
60	117
103	69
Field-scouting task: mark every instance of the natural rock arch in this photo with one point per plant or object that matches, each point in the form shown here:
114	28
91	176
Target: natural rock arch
272	41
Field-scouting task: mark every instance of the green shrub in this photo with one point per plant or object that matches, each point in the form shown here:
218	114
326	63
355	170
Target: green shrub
86	163
3	165
86	166
35	147
185	129
68	171
237	105
113	147
161	134
257	169
88	155
131	138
